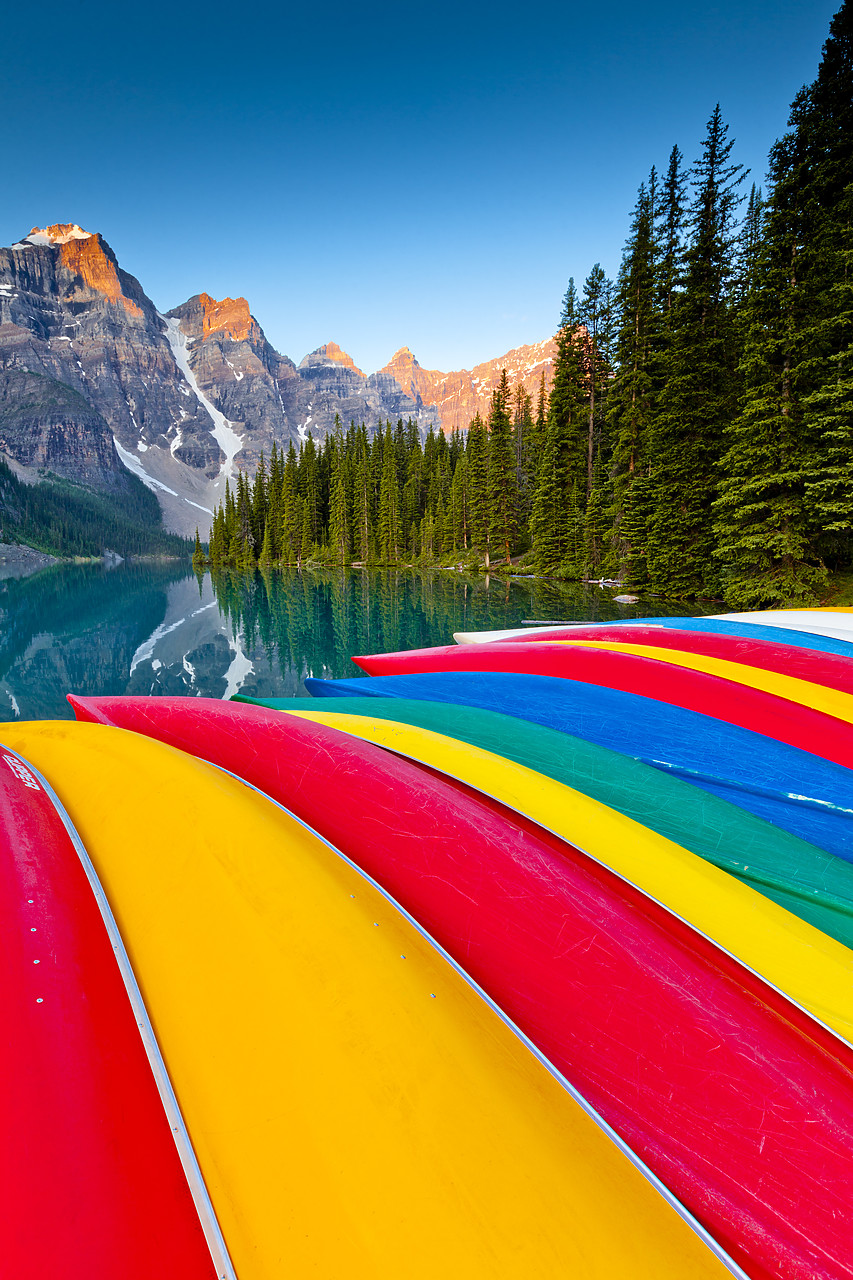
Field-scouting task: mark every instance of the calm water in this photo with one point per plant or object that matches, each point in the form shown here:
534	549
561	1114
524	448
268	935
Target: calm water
161	629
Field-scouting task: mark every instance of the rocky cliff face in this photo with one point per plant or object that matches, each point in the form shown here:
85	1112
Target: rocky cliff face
94	380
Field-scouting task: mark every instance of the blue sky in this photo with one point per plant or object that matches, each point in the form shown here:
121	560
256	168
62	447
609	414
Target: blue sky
386	176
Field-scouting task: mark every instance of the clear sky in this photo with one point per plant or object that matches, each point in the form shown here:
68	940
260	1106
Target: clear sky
381	175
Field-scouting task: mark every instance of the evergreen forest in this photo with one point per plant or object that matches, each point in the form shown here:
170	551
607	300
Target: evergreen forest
697	437
67	519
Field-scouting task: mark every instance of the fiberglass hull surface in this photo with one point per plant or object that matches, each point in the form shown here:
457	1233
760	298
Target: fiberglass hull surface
342	1082
806	880
551	936
749	708
807	693
92	1186
796	790
827	669
835	624
700	626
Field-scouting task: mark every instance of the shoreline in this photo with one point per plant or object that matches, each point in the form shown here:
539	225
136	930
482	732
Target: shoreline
17	561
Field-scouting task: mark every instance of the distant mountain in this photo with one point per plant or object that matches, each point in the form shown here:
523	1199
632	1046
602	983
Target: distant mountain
458	396
94	381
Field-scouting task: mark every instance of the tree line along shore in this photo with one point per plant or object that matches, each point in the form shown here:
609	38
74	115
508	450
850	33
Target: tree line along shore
698	435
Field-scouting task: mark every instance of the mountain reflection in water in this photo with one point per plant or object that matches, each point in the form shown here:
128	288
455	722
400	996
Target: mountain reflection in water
161	629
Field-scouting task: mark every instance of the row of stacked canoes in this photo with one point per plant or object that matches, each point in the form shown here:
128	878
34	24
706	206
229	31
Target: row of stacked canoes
526	956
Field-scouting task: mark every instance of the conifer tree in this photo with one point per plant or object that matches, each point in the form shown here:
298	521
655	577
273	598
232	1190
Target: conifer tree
459	503
339	516
699	396
265	559
549	510
478	484
503	487
669	216
595	527
389	502
311	494
631	397
526	452
562	466
595	314
362	500
259	503
290	526
786	501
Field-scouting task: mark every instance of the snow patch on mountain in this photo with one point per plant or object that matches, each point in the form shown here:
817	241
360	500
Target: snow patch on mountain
59	234
133	464
223	431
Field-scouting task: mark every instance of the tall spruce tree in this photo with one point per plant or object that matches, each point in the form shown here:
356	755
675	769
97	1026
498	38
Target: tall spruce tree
390	532
478	484
698	397
786	503
595	314
339	505
562	472
503	485
631	397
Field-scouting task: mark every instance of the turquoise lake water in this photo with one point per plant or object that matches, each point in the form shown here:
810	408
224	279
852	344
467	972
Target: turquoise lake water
161	629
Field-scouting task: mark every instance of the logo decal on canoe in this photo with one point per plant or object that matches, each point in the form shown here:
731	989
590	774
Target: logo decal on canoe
21	771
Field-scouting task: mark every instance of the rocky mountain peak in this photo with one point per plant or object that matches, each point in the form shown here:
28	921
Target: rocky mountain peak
457	396
331	351
57	233
83	263
404	358
231	317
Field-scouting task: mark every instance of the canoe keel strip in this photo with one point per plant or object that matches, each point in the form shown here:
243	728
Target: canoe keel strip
342	1083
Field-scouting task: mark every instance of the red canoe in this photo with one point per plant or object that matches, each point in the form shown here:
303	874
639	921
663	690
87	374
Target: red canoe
739	704
92	1187
734	1097
829	669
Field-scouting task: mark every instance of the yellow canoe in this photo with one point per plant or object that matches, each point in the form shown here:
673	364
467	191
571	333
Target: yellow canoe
833	702
805	964
357	1107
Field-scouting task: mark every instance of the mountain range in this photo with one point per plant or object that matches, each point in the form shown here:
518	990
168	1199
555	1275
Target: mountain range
96	382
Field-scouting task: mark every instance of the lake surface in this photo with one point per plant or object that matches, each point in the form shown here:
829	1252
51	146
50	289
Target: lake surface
161	629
